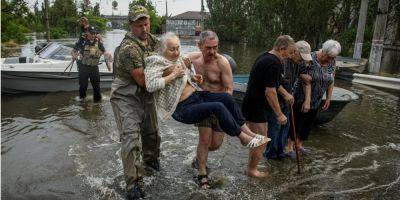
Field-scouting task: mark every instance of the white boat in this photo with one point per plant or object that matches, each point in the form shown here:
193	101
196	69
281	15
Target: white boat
45	72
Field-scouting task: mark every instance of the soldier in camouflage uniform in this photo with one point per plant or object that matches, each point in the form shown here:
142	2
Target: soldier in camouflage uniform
90	50
133	106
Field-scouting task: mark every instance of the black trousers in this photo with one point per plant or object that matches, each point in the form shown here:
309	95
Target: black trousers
303	122
89	72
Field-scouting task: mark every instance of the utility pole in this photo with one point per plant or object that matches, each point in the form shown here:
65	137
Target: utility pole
202	15
166	9
46	18
362	18
378	38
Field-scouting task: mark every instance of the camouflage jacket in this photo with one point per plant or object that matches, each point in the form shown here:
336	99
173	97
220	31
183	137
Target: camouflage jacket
131	55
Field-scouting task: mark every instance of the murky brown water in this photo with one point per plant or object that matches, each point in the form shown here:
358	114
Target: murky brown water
54	147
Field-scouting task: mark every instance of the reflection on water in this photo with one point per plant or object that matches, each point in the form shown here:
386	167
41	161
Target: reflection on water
55	147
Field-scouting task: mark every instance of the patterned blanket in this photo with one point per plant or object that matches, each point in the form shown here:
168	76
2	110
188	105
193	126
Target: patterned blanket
167	96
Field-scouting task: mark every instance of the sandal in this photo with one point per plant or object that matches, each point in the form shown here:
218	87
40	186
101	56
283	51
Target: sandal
259	136
203	181
257	141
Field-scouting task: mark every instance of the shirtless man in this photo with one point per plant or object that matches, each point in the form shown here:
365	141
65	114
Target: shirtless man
217	77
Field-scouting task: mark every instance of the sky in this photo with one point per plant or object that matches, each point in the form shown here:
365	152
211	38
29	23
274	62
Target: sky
175	7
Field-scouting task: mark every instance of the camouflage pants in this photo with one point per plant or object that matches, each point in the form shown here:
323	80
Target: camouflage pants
136	119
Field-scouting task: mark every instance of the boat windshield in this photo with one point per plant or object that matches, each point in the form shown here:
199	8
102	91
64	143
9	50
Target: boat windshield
55	51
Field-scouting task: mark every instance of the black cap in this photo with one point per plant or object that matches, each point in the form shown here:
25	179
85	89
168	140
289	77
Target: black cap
91	29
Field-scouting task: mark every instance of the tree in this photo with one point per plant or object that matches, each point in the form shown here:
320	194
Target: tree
260	22
14	22
96	10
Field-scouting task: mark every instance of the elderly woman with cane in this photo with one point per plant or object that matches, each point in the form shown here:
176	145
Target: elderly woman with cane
306	107
179	95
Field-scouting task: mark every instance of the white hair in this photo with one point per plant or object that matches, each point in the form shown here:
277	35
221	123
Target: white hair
163	40
331	48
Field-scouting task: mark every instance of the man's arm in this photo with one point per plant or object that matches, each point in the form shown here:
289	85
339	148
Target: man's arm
226	75
75	50
329	92
194	55
138	75
306	84
131	58
286	95
101	47
272	99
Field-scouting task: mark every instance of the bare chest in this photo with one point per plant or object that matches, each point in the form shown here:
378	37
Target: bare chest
211	73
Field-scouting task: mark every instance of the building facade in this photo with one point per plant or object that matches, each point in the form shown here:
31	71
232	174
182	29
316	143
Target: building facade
186	24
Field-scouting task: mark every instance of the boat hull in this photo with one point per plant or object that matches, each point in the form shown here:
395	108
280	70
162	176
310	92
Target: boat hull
20	82
340	98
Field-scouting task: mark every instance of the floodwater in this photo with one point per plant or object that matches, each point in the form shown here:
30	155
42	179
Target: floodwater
54	147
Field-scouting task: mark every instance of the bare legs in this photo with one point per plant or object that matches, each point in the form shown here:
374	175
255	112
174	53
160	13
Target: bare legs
208	141
255	154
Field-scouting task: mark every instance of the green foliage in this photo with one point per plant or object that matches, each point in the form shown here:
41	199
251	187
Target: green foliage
58	32
367	41
62	18
346	38
260	22
14	22
98	22
13	31
96	10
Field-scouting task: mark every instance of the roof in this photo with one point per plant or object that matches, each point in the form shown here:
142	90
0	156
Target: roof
191	15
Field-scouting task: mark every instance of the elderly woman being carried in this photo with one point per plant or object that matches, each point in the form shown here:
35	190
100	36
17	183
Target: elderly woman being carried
179	96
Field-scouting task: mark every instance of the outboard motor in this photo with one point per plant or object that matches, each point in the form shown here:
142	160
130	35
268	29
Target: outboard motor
231	61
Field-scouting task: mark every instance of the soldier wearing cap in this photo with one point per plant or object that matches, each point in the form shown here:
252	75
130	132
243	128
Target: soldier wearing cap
134	108
90	50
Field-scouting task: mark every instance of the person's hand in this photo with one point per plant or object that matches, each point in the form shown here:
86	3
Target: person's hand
99	38
198	78
169	70
74	54
305	107
187	62
178	72
289	99
326	105
108	56
282	119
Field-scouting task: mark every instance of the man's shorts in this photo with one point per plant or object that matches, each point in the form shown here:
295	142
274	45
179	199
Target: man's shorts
256	113
210	122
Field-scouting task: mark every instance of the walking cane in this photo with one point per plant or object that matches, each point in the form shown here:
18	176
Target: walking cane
295	140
